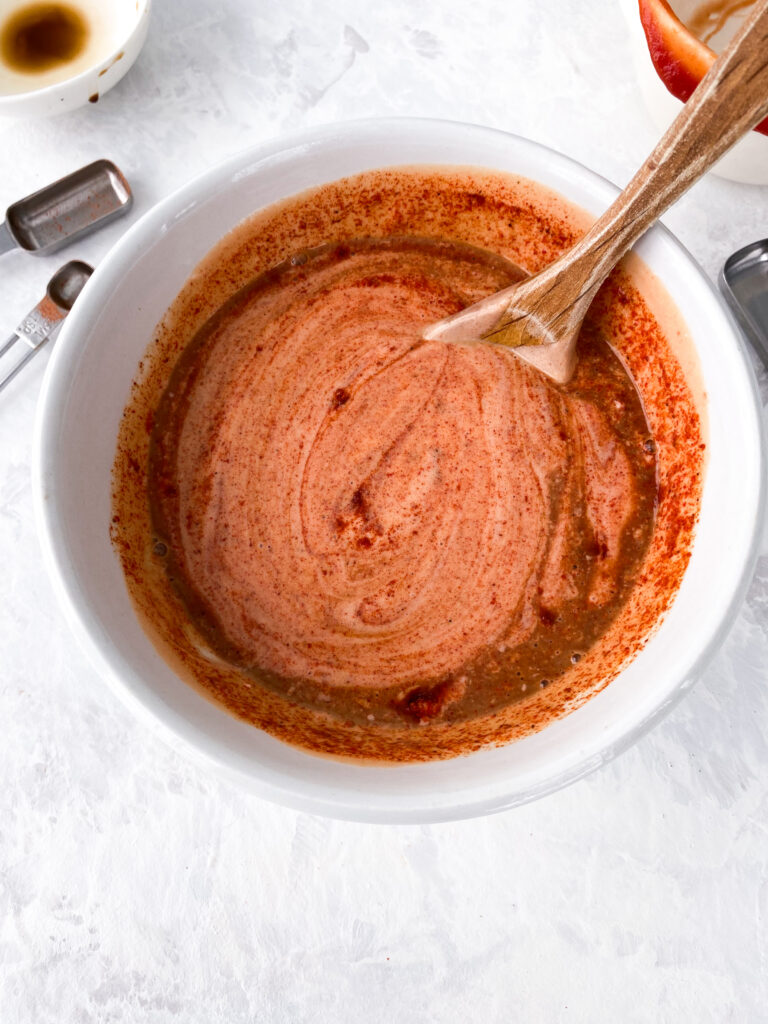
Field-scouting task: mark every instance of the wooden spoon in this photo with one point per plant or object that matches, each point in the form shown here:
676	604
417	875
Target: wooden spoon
540	318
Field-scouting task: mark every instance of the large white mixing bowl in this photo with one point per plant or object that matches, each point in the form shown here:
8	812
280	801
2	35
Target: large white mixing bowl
87	386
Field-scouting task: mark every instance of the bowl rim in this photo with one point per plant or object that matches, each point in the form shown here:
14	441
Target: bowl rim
351	804
13	99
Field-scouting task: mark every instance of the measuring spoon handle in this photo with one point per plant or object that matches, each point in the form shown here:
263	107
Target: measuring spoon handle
7	241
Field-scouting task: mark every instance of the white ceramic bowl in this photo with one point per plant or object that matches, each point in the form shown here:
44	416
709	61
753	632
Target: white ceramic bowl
86	388
119	29
746	162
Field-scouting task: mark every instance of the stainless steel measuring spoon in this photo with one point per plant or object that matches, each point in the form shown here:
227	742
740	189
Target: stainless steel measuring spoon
71	207
744	282
47	316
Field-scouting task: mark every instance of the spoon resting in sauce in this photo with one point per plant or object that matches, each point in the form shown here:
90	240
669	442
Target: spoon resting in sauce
540	318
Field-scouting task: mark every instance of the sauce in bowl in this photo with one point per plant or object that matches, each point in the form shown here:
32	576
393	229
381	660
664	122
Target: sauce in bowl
375	546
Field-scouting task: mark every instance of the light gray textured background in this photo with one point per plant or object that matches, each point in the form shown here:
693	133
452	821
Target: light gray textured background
134	886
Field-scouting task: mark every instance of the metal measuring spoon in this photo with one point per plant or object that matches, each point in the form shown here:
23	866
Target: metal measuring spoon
71	207
47	316
744	282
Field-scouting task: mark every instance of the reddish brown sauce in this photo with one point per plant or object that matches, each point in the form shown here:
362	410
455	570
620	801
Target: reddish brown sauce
377	546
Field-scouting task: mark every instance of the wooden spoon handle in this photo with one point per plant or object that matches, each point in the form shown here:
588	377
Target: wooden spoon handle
730	99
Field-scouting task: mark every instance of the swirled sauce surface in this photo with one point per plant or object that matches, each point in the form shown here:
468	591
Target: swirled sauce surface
369	535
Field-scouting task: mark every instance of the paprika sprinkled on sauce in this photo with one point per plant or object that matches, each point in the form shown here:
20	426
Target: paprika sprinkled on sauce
379	547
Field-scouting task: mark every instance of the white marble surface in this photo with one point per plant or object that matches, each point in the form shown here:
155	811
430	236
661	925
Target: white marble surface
135	887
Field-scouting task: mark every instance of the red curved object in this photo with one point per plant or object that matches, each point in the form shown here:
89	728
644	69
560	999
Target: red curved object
681	60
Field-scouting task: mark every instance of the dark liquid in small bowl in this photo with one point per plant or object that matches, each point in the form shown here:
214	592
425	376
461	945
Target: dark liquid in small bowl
42	36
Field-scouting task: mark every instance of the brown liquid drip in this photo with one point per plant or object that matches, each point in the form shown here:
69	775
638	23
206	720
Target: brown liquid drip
42	36
710	19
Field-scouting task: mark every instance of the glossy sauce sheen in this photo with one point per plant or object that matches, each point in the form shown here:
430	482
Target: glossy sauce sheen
390	537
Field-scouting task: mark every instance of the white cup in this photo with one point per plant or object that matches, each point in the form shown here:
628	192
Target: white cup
118	29
746	162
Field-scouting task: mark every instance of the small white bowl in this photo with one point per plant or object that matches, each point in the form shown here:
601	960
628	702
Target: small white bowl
88	383
118	31
746	162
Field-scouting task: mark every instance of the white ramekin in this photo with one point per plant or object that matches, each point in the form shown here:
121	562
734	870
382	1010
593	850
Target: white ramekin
87	385
115	58
746	162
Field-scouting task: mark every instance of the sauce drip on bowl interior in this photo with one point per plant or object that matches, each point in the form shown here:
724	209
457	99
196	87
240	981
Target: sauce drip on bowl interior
378	546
